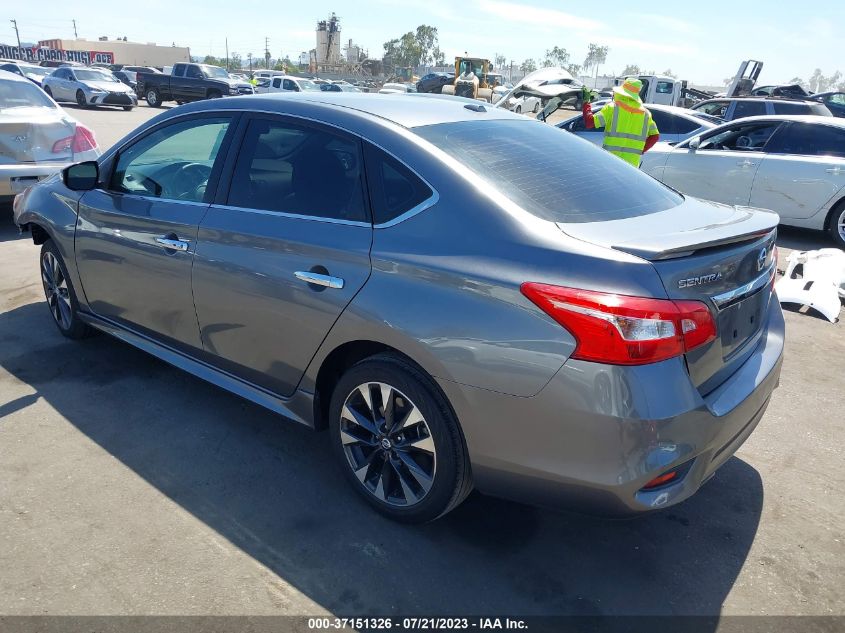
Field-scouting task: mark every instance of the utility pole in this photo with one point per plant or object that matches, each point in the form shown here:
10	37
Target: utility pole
227	53
75	34
15	24
249	57
267	52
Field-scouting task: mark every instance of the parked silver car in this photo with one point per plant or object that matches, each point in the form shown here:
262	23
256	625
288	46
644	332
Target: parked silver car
457	318
37	137
675	124
89	86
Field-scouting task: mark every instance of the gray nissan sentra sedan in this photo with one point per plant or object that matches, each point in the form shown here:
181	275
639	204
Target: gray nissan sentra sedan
465	297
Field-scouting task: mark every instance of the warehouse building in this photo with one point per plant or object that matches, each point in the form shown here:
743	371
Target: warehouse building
125	52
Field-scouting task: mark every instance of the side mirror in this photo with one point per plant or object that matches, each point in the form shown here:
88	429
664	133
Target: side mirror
81	176
695	143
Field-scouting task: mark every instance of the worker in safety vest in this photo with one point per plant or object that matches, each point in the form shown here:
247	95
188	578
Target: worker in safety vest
629	129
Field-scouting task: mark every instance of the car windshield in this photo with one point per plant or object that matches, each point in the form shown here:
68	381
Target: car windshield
23	94
215	71
39	71
308	85
94	75
550	174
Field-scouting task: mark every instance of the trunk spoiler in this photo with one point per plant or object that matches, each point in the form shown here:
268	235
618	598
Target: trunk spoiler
645	240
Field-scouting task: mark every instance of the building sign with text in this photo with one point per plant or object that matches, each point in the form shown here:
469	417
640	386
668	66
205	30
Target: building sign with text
37	54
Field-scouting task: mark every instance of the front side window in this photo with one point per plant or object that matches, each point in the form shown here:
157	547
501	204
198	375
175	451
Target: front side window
394	189
805	139
301	170
745	137
548	179
173	163
837	99
194	72
664	121
289	85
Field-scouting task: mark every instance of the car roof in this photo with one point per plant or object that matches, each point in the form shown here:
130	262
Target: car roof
397	108
799	118
757	99
682	112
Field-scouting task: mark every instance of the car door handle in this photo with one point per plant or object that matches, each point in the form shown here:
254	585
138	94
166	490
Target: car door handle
745	163
174	244
834	170
319	280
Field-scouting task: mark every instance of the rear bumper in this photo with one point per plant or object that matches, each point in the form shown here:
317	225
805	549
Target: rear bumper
15	178
596	434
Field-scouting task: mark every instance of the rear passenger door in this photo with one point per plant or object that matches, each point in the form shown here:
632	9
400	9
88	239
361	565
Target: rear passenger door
283	250
803	170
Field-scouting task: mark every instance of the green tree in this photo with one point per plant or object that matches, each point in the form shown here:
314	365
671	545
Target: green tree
596	56
528	66
414	48
668	73
574	69
630	69
499	61
798	81
556	56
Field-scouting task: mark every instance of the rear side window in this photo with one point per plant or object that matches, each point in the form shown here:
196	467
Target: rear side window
684	125
809	140
394	189
714	108
792	108
301	170
665	122
749	108
555	176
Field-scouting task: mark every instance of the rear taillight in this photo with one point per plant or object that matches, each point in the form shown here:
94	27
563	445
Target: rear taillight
624	330
81	141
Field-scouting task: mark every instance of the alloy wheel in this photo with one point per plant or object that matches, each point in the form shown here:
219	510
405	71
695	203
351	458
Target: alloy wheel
840	225
56	290
388	444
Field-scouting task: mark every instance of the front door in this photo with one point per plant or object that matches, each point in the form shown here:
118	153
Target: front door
284	251
136	235
723	167
803	170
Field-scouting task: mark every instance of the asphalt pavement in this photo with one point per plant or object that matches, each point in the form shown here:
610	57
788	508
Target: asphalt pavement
129	487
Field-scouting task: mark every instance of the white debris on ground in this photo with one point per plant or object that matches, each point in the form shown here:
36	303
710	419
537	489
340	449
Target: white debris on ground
815	279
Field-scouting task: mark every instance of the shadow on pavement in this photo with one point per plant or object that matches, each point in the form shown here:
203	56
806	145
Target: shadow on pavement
272	489
803	239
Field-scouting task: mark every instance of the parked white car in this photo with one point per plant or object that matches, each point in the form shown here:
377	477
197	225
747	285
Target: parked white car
524	105
396	88
37	137
88	86
284	83
675	124
793	165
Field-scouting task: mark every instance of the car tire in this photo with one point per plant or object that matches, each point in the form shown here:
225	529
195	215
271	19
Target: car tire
49	92
153	98
836	224
80	99
128	108
60	294
425	469
518	109
536	107
214	94
179	102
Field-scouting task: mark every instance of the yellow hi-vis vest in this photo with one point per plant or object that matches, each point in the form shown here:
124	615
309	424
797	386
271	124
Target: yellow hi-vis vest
626	128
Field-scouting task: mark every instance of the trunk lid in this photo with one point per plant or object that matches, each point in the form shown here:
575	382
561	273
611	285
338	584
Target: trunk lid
718	254
27	135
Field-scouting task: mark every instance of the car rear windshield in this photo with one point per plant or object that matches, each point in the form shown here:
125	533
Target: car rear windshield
23	94
549	172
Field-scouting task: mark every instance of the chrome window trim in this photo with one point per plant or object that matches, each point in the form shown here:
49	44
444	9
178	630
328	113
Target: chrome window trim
292	216
731	296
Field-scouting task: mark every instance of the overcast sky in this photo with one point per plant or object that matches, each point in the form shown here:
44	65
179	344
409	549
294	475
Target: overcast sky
698	41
